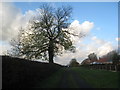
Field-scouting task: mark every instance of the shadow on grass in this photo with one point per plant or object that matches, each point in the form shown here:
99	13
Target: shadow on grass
21	73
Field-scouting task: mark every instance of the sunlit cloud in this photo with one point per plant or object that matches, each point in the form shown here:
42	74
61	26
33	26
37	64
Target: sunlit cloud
96	45
15	20
4	47
98	41
117	39
101	47
80	29
9	23
77	28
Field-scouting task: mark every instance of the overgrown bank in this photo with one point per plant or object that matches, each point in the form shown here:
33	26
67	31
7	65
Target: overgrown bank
20	73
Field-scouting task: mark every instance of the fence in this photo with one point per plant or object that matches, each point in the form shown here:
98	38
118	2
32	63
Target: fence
109	67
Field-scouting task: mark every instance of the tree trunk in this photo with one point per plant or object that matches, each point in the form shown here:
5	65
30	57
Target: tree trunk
51	51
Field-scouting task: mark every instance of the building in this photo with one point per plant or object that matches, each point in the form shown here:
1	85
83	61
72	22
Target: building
100	61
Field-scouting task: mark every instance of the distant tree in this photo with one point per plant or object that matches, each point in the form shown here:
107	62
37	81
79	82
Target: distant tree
85	62
109	55
73	63
92	57
112	56
115	58
46	37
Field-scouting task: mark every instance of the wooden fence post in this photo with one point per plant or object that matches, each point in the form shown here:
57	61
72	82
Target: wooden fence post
115	68
110	67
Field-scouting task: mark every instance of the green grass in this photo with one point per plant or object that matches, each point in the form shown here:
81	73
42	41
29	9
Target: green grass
52	81
99	78
96	78
71	81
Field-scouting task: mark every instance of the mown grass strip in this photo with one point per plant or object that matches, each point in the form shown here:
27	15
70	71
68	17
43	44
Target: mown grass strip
71	81
99	78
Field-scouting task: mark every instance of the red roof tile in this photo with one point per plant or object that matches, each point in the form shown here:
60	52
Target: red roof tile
103	60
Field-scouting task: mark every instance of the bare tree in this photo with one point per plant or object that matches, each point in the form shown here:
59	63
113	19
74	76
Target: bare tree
46	37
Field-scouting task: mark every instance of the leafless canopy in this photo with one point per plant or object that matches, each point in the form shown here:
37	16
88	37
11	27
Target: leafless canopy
45	37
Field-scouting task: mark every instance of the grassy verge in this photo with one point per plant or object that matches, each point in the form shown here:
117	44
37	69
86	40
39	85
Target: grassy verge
22	73
52	81
99	78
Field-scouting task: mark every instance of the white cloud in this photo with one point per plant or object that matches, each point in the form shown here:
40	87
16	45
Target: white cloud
99	46
4	47
84	50
13	19
87	26
77	28
9	21
117	39
96	45
65	58
98	41
105	48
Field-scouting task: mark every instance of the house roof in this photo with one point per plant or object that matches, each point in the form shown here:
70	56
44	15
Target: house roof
100	61
103	60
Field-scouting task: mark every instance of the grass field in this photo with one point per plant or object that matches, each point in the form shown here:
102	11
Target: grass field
20	73
96	78
99	78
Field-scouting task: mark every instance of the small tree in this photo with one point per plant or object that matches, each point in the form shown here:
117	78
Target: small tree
74	63
46	36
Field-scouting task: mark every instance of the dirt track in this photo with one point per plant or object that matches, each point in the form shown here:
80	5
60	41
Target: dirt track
70	79
64	78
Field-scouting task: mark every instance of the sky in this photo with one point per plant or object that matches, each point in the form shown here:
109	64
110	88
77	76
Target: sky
98	20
